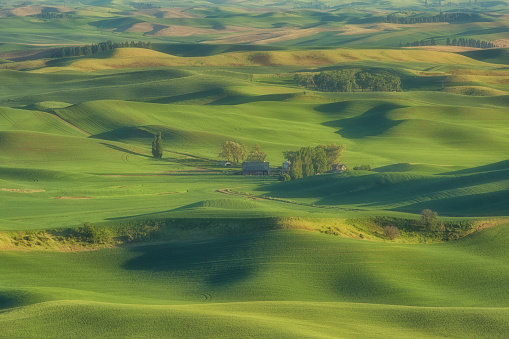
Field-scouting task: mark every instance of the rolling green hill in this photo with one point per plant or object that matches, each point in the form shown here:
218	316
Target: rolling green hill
100	239
254	285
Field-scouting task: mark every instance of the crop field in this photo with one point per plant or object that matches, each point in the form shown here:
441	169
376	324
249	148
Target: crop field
255	285
99	238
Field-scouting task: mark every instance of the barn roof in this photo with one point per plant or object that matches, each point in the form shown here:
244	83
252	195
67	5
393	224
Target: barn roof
255	166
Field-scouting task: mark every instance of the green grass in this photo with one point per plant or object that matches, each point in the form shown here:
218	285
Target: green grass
474	194
254	283
439	132
201	252
495	56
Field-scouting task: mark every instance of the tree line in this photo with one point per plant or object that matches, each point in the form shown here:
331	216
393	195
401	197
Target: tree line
144	5
310	160
97	48
463	42
442	17
349	80
52	15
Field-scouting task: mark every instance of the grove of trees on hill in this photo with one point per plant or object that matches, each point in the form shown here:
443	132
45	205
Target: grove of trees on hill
463	42
442	17
310	160
348	80
97	48
52	15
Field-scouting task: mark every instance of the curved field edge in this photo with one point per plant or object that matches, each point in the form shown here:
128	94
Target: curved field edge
252	319
139	232
136	58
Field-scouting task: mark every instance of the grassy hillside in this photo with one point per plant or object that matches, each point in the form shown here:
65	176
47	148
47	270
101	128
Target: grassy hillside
478	193
134	57
253	284
99	150
495	56
100	239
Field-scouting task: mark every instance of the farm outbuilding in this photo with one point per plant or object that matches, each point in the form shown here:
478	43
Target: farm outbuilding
255	168
337	168
286	166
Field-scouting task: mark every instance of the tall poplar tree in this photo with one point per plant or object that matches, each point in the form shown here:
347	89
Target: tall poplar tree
157	146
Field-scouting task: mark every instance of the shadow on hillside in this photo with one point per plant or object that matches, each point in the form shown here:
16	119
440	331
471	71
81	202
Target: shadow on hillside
17	298
497	166
370	123
244	99
125	133
125	150
215	262
207	95
451	195
491	204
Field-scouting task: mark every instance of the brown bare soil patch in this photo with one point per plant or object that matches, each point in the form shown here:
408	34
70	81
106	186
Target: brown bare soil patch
152	29
380	27
27	55
18	190
166	13
141	27
358	29
188	31
21	65
266	36
72	198
32	10
502	42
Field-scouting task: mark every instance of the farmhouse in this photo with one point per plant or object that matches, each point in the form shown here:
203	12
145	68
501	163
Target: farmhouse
337	168
255	168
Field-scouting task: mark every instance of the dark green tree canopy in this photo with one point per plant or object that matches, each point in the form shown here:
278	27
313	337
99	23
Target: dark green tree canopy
157	146
310	160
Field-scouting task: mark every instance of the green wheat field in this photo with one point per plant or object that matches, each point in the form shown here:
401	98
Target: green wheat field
99	239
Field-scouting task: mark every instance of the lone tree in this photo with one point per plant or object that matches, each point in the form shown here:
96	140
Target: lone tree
429	219
157	146
230	150
257	154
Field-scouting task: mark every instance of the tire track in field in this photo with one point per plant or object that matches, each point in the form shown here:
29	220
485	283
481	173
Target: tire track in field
262	197
47	119
68	123
10	120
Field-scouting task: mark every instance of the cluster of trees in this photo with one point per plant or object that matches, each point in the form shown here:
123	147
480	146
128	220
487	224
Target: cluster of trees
454	42
310	160
97	48
52	15
349	80
144	5
470	43
157	146
362	168
442	17
231	150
